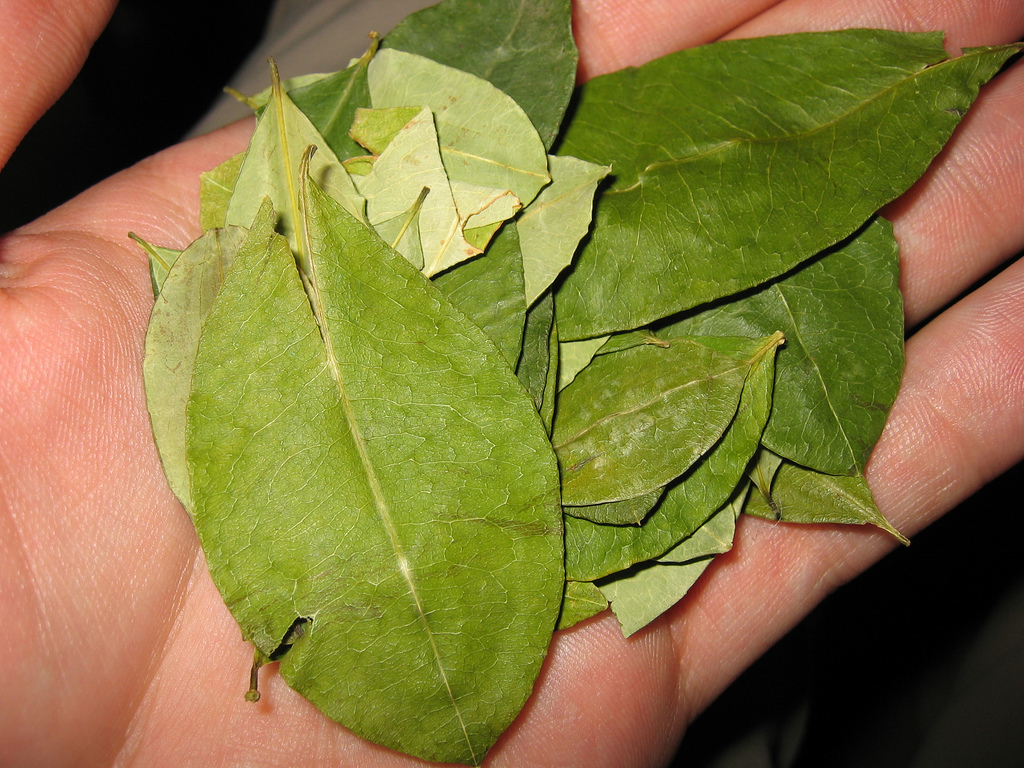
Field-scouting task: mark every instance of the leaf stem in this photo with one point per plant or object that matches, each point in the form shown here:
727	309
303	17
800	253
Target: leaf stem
412	215
258	660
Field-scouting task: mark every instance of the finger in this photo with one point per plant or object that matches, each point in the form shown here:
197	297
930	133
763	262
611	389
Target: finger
963	398
603	700
612	34
965	23
43	44
958	422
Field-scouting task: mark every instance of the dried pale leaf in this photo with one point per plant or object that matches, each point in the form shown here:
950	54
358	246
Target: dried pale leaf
270	169
160	261
484	207
642	594
713	538
403	234
485	137
410	164
215	188
553	225
358	166
574	356
181	309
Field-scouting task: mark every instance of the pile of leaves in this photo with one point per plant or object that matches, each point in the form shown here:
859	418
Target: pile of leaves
426	401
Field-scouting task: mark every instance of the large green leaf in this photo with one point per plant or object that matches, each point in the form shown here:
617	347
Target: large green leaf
633	421
186	297
524	47
486	138
736	161
840	369
595	551
370	464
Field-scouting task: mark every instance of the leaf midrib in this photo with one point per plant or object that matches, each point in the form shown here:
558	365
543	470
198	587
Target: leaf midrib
380	502
446	149
342	102
798	337
500	53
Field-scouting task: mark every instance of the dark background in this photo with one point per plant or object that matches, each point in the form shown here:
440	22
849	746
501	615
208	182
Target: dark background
867	680
151	75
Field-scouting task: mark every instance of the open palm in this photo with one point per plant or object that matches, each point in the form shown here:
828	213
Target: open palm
118	649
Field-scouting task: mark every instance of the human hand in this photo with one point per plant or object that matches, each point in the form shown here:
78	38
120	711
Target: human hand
119	649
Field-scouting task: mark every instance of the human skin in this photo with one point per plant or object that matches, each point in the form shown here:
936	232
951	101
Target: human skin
117	647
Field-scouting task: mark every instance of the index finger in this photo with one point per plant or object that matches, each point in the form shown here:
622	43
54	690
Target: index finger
43	44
